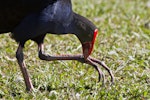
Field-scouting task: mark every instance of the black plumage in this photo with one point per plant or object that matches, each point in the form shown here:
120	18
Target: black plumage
33	19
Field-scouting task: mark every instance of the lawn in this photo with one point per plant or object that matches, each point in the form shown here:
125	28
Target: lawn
123	43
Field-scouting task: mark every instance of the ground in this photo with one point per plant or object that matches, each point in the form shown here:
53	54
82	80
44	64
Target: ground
123	43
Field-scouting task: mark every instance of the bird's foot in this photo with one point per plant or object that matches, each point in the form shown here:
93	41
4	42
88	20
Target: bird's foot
95	63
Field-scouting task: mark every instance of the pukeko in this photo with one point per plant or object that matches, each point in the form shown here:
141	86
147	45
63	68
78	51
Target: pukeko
33	19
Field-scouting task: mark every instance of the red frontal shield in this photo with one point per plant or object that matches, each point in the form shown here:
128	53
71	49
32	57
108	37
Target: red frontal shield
88	46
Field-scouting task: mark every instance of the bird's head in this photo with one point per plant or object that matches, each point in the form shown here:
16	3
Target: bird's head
87	42
87	46
86	33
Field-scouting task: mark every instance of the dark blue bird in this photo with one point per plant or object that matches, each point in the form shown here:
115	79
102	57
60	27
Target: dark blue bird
33	19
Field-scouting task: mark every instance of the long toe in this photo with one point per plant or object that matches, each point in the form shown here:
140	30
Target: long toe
104	66
101	76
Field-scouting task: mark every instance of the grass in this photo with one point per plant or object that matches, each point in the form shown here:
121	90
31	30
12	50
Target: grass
123	43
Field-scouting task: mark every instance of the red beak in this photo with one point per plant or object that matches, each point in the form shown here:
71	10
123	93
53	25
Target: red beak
88	46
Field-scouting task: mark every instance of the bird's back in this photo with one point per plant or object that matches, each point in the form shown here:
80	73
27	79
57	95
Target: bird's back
13	11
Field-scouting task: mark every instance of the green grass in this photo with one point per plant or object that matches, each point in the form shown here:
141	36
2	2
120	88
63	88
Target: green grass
123	43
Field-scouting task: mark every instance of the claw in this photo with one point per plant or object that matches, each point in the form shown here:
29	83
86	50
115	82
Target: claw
101	76
104	66
95	63
100	73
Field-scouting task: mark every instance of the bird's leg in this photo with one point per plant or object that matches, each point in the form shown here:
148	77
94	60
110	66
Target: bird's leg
91	61
20	58
43	56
